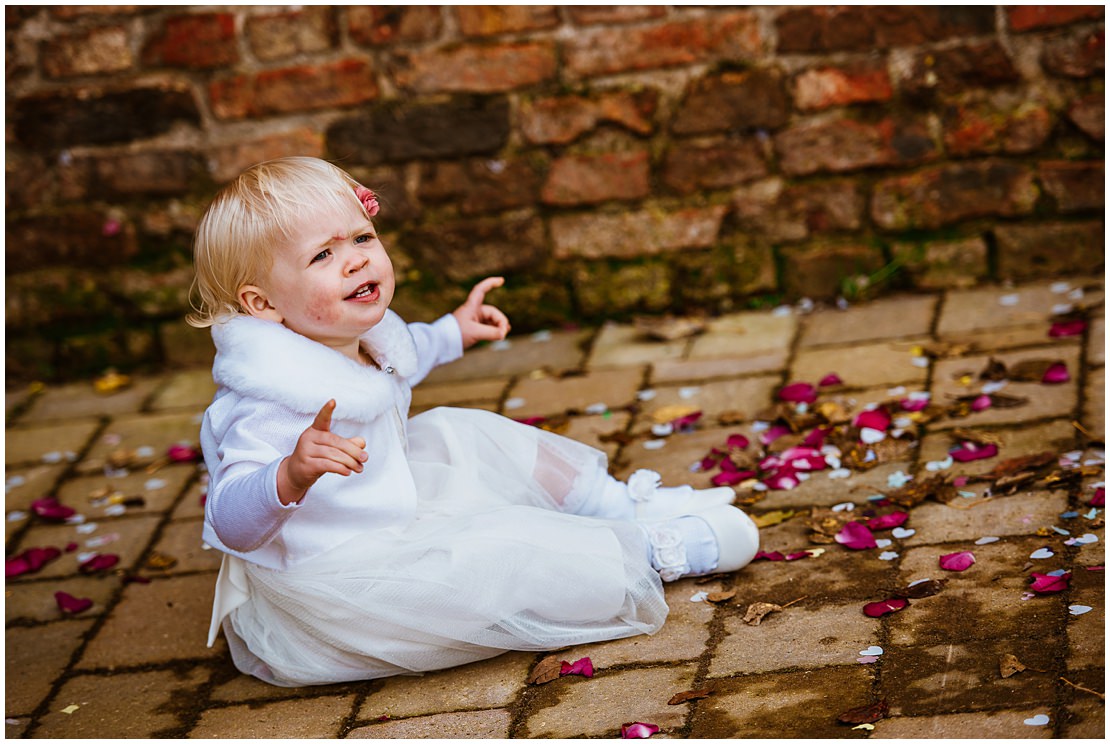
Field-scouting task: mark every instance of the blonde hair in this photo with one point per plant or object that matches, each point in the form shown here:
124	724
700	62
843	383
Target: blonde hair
251	215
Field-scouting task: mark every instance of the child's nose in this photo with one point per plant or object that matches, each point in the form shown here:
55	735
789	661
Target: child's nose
356	261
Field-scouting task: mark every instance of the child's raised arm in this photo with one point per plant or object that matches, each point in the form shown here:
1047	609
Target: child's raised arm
478	321
318	451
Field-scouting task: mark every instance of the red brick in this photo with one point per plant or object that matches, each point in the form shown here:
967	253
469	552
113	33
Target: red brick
982	129
944	264
585	15
197	41
788	213
306	88
123	175
842	144
723	36
818	271
1089	114
476	69
468	249
225	162
753	99
1078	54
589	179
562	119
490	20
956	69
387	24
692	168
865	28
636	234
279	35
820	88
947	194
477	186
1075	186
1030	17
92	240
95	52
1034	251
69	12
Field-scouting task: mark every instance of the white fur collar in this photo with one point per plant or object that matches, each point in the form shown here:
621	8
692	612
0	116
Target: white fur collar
262	359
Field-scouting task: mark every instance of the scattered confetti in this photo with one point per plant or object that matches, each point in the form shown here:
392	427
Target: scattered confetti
872	651
878	609
957	561
638	730
1038	720
987	540
1041	553
1078	609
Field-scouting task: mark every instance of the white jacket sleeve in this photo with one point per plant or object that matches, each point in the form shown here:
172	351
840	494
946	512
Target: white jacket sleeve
436	343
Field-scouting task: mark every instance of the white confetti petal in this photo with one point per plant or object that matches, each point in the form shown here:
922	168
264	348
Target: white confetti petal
655	444
846	506
872	651
883	543
902	532
840	473
17	516
1078	609
887	555
501	345
597	409
868	435
1008	300
1038	720
646	395
662	430
920	361
688	392
512	403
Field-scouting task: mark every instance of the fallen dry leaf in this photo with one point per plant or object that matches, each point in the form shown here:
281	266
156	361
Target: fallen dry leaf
669	328
922	589
160	561
971	435
720	596
1009	665
772	518
547	670
865	713
667	414
759	610
685	697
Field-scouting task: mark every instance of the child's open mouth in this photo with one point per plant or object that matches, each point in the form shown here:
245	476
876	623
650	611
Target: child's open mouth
368	291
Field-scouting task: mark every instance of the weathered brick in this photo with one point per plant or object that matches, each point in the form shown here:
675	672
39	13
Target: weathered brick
1031	17
465	125
1034	251
279	35
584	15
94	52
818	271
1076	54
477	186
227	161
153	173
733	100
305	88
490	20
985	129
1089	114
946	194
733	35
475	69
69	12
828	29
842	144
387	24
602	291
589	179
634	234
954	70
691	168
49	120
473	248
783	213
943	264
196	41
562	119
92	240
36	180
1075	186
820	88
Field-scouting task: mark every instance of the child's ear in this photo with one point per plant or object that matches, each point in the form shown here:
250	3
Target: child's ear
254	302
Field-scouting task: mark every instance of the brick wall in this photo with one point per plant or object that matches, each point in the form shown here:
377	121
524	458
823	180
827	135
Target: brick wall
608	159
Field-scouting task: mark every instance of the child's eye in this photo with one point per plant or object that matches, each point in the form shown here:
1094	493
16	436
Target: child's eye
365	238
320	256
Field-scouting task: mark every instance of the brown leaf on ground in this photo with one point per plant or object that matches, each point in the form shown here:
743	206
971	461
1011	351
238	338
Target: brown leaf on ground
685	697
772	518
914	492
1030	370
716	597
547	670
995	371
923	589
824	524
1016	465
759	610
669	328
865	713
978	437
732	417
1009	665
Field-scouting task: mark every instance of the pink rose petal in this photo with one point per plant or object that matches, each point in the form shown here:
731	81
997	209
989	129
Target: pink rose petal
772	434
29	561
856	536
709	462
799	555
878	609
912	405
49	509
737	441
887	521
71	605
957	561
830	379
583	666
968	451
1099	499
638	730
183	453
772	556
1045	584
876	418
982	403
686	423
798	392
1056	374
99	562
732	477
782	480
816	438
1064	328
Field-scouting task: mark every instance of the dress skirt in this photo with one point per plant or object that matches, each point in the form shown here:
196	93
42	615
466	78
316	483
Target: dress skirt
494	561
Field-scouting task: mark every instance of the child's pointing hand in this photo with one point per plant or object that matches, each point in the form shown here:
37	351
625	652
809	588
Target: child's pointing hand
318	451
478	321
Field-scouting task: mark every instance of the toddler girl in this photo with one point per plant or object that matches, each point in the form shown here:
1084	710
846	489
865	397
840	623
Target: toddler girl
360	544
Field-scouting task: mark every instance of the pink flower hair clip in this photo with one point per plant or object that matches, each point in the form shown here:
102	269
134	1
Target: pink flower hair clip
369	200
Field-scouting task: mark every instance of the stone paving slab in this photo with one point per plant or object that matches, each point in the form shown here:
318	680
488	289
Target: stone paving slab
312	718
612	388
625	346
862	364
49	443
126	537
896	317
188	389
148	436
1003	724
556	352
81	400
473	724
34	657
744	335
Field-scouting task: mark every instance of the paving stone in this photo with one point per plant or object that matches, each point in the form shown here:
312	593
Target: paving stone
135	705
1002	339
682	638
821	490
1053	436
1096	342
959	613
670	371
548	396
475	724
309	718
155	623
792	705
493	683
126	537
33	658
458	394
995	724
1085	719
80	400
1094	403
28	445
787	639
240	688
16	728
674	459
191	505
1001	307
1044	401
561	351
154	432
34	600
158	491
626	346
746	396
15	400
181	542
591	429
895	317
963	677
1087	632
999	564
742	335
861	365
577	707
1021	514
191	389
24	485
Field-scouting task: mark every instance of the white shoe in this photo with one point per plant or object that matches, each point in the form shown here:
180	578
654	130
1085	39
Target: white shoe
737	542
656	504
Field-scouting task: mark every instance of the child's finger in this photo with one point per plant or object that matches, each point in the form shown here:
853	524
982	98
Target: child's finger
494	317
478	293
322	422
353	449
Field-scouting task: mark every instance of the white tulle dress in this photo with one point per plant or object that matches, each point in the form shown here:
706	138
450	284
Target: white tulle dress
458	542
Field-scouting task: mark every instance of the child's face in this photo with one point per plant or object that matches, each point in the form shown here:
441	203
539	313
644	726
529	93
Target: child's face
332	281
